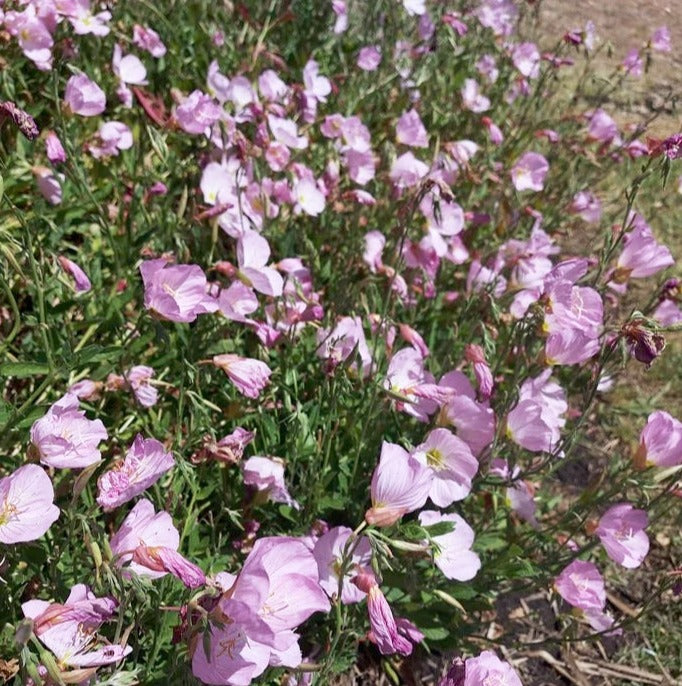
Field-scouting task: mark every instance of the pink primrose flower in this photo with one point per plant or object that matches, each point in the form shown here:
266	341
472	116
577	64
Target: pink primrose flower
197	112
621	531
400	484
27	507
144	464
253	253
266	476
369	57
84	96
660	442
328	552
54	149
451	463
529	172
147	39
69	630
453	555
65	438
176	292
410	130
248	375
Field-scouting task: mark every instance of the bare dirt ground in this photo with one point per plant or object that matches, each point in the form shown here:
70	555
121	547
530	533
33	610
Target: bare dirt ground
622	25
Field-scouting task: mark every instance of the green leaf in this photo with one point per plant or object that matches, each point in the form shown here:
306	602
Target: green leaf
23	370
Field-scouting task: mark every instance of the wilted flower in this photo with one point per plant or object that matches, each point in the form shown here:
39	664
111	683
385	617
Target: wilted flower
383	629
82	282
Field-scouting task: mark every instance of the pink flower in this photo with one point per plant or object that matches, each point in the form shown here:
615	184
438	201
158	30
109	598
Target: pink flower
411	385
253	253
417	7
633	63
80	278
472	98
410	130
84	96
498	15
27	507
452	464
33	36
85	22
138	379
587	206
660	443
197	113
581	585
48	184
536	421
621	531
266	476
602	128
660	39
529	172
147	39
178	292
277	589
374	247
475	355
341	12
308	197
149	542
407	171
167	560
400	484
345	339
54	148
248	375
526	59
383	630
237	302
145	463
285	132
487	668
65	437
369	57
642	254
329	555
68	630
112	137
453	554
